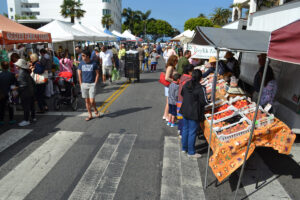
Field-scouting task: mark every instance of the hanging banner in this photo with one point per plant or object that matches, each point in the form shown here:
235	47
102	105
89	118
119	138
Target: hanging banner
14	38
203	52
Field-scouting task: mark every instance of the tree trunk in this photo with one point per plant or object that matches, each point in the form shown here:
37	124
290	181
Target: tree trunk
72	20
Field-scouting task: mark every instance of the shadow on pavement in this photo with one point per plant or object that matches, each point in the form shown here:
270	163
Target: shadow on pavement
126	111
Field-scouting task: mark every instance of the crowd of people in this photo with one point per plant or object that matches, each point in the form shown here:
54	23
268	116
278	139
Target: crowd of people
186	98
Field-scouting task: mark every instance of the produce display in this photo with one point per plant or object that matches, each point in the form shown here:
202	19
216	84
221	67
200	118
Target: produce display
229	121
234	129
241	104
222	115
260	115
219	109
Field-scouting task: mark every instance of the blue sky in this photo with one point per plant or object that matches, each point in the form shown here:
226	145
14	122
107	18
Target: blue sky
176	12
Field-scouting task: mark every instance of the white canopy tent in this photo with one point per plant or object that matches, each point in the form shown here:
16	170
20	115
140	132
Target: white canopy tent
118	34
131	37
105	36
63	31
184	37
96	36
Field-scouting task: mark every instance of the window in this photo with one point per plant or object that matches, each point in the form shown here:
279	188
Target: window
11	9
108	1
106	12
12	17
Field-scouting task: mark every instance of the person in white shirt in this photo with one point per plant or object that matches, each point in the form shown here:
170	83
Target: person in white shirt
107	61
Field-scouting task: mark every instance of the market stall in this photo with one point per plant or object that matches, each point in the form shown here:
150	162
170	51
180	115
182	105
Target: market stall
238	126
132	38
116	33
14	33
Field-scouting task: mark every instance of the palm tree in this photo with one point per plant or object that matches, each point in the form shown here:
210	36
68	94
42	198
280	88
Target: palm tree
131	17
145	19
71	8
220	16
107	21
267	3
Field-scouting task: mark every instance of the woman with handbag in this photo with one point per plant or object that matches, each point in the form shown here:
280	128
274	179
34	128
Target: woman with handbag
170	70
40	77
26	92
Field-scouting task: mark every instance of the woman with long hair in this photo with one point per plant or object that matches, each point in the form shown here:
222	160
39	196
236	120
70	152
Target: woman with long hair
192	110
170	70
65	63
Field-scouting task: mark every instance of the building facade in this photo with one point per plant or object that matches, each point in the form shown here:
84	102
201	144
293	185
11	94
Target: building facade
50	9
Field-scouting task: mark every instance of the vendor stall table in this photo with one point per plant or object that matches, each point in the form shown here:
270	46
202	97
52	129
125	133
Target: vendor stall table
228	156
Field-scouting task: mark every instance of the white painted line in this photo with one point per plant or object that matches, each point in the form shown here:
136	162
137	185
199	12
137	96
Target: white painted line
191	183
269	187
171	176
296	153
92	176
109	183
20	181
11	136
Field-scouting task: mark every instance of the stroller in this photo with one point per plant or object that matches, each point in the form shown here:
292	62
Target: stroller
67	91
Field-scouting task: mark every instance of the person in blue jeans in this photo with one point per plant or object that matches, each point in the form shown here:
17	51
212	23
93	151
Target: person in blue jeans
192	110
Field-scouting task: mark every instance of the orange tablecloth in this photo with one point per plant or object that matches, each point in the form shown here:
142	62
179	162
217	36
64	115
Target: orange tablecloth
228	156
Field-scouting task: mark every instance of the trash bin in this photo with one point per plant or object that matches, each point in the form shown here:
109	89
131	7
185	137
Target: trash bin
132	68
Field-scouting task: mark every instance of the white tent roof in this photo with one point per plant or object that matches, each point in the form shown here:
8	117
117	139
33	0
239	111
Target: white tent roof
184	37
101	33
118	34
127	34
63	31
96	36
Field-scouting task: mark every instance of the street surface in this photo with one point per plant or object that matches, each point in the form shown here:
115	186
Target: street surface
128	154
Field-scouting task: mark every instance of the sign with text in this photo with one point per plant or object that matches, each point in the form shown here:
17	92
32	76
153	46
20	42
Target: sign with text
203	52
14	38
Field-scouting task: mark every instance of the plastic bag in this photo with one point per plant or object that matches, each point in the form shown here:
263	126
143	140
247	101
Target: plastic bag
115	75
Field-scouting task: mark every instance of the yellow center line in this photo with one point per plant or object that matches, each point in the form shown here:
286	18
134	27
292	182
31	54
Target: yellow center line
107	106
107	100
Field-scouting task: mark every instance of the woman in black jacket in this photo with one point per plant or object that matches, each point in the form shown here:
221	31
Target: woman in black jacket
192	110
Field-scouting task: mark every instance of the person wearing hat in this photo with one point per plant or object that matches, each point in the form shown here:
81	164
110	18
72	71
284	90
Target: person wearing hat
232	64
212	62
7	81
26	92
258	76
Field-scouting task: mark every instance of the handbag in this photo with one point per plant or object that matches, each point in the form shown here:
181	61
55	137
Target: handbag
162	79
40	78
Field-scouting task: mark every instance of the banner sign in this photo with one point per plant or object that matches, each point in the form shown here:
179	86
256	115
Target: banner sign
13	38
203	52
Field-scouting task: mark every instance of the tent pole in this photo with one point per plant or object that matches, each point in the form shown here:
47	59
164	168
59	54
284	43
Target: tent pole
253	126
74	50
212	115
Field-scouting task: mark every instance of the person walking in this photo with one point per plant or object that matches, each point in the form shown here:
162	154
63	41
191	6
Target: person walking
170	70
141	53
26	87
88	74
154	56
121	56
7	82
192	110
106	59
145	62
183	62
40	77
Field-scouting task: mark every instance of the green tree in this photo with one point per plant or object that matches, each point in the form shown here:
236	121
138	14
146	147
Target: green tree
201	15
159	28
144	19
221	16
131	17
107	21
5	15
72	9
194	22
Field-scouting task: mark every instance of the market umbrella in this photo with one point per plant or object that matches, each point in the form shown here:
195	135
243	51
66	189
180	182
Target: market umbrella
285	43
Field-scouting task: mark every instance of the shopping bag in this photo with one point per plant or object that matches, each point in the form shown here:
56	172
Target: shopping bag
115	75
162	79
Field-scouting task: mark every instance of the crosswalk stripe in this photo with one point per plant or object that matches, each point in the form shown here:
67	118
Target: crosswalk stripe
191	183
20	181
89	181
11	136
296	153
269	187
171	177
109	183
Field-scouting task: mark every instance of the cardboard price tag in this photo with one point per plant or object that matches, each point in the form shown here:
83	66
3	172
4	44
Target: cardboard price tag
268	107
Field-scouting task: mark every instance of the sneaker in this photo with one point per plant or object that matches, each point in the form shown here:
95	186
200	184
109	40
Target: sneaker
173	125
24	123
183	152
1	123
196	155
169	124
11	122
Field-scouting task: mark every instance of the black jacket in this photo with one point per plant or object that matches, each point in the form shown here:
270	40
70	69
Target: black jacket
194	100
25	82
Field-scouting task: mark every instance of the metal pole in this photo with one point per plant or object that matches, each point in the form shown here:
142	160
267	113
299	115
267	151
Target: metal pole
212	115
74	50
253	127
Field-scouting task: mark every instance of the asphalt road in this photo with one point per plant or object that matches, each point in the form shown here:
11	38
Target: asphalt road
126	154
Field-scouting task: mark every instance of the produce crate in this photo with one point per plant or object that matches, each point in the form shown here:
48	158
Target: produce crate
230	109
217	103
208	108
225	137
245	99
263	118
